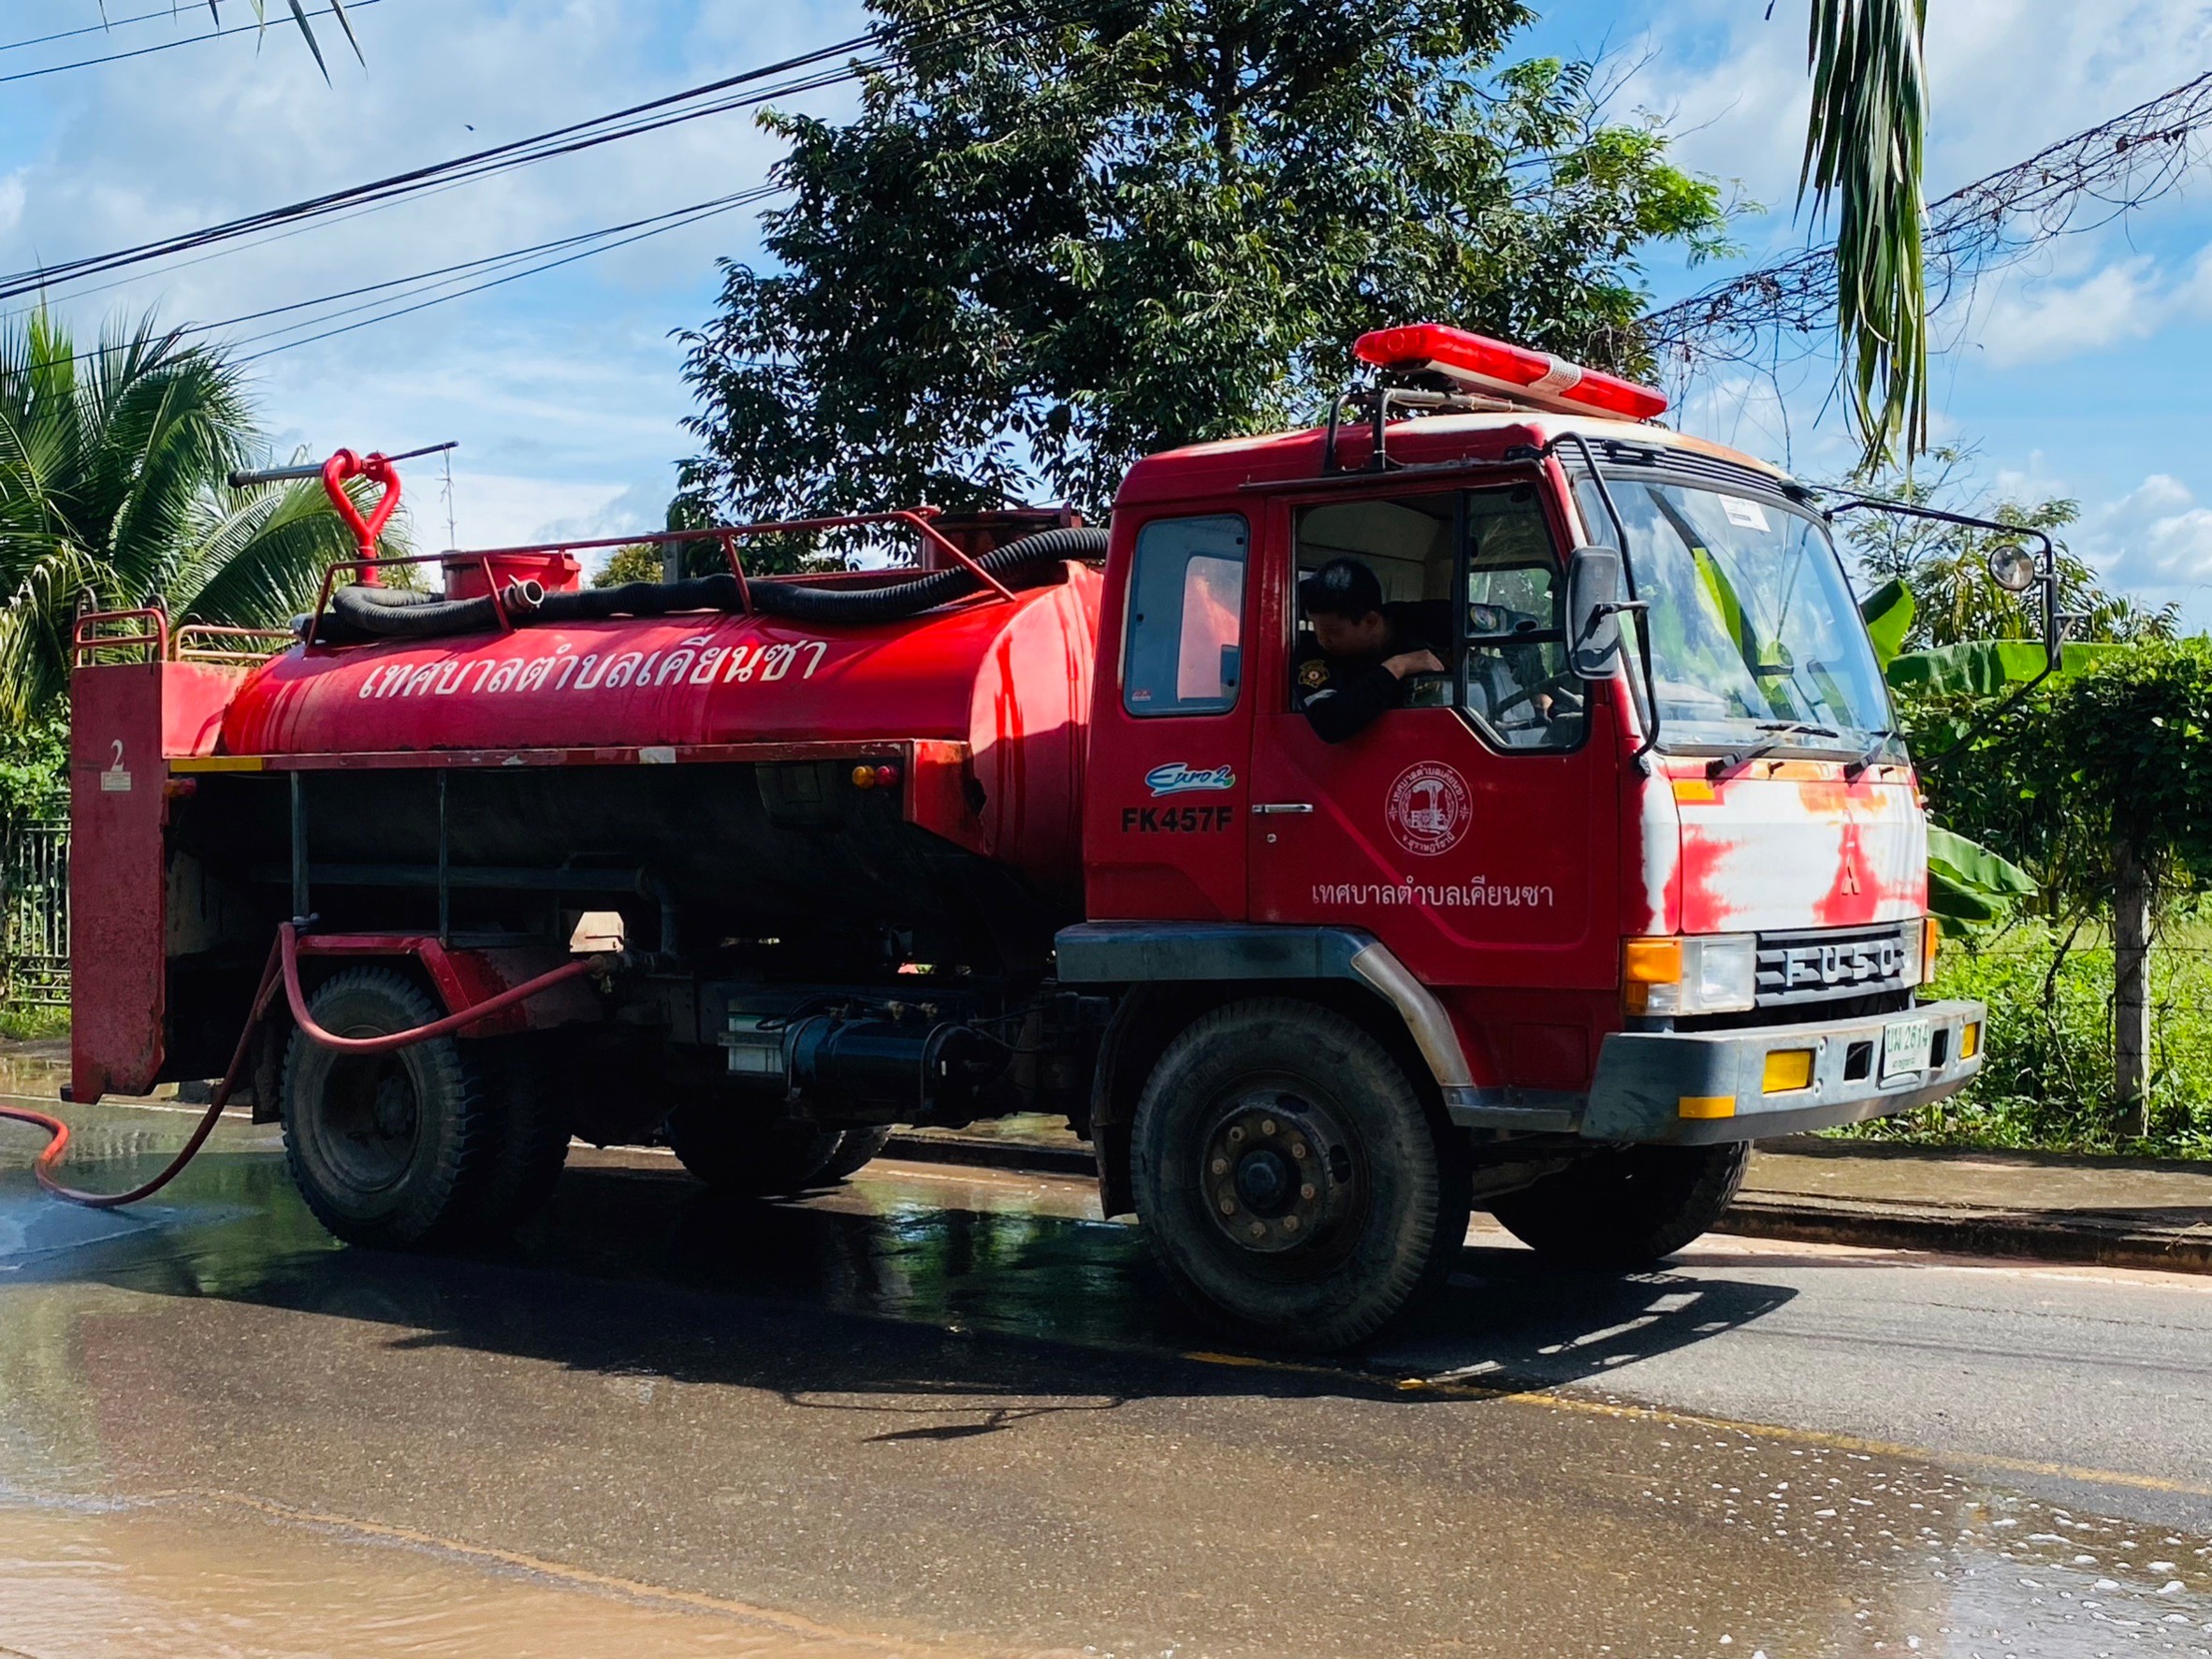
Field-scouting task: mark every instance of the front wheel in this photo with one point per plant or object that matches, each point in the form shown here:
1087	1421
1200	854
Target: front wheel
1290	1182
1627	1206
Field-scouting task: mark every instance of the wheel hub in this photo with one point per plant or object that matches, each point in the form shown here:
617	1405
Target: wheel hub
1275	1173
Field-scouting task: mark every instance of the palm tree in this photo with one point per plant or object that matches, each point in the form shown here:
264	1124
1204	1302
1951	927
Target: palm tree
1864	152
112	470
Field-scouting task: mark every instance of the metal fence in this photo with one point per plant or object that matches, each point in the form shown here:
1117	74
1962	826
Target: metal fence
35	914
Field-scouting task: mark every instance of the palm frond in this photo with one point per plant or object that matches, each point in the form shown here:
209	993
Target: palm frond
306	30
1864	152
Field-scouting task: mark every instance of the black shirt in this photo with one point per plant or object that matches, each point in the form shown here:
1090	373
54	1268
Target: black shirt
1340	696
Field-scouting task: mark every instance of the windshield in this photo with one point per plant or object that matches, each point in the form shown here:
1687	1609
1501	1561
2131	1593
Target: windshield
1755	637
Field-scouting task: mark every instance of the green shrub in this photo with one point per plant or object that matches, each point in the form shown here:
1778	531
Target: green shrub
28	1022
2047	1079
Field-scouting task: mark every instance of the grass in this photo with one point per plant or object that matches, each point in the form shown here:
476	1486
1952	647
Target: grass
2048	1083
30	1022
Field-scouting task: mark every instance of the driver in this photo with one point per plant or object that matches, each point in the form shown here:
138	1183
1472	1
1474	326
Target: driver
1355	663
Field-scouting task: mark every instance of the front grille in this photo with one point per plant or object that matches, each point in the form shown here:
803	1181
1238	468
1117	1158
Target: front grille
1826	965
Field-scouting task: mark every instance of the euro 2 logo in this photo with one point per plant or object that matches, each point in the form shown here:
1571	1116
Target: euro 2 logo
1428	808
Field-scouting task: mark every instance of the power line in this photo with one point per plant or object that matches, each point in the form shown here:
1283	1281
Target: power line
117	57
649	116
168	14
697	216
409	288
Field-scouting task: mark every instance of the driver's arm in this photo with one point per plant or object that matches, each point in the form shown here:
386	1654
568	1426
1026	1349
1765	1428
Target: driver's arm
1347	704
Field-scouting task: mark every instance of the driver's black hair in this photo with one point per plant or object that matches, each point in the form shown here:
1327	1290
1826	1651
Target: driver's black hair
1342	587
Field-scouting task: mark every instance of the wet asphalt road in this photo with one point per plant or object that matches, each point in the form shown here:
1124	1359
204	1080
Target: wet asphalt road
936	1412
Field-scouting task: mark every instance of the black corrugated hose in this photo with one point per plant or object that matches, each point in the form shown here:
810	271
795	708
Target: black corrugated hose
358	613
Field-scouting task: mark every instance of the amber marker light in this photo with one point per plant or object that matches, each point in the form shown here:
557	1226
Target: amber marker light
1787	1069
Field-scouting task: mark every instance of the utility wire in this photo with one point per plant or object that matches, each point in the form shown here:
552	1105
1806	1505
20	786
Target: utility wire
117	57
411	287
650	116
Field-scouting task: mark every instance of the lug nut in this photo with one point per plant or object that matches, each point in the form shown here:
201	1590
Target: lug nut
1267	1126
1236	1134
1298	1149
1289	1224
1229	1206
1258	1230
1307	1191
1220	1166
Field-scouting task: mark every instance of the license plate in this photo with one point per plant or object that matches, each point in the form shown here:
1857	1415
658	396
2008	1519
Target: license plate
1905	1045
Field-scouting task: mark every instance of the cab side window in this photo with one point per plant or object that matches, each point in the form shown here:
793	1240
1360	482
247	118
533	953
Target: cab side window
1517	686
1183	652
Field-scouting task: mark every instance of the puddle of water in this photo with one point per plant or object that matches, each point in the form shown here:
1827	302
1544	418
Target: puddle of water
168	1583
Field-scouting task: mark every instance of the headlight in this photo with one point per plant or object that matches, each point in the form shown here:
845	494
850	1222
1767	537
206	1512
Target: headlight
1918	939
1698	974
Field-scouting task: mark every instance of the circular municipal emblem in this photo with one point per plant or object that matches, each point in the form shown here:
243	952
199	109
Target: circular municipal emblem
1428	808
1314	674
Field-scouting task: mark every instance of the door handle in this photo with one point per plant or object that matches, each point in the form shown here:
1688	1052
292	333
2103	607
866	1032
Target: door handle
1270	808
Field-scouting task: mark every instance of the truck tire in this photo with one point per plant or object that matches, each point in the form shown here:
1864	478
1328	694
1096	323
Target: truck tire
1290	1182
533	1132
739	1148
855	1149
388	1150
1627	1206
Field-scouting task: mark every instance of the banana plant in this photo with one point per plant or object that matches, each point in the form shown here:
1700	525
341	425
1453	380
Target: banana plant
1968	883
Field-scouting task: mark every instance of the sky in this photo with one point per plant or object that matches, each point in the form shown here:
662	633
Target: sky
2085	372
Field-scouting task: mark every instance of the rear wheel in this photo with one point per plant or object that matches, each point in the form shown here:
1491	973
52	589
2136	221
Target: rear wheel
533	1131
1290	1182
394	1149
1627	1206
737	1147
855	1149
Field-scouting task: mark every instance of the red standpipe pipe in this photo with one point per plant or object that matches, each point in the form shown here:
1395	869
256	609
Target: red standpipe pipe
282	970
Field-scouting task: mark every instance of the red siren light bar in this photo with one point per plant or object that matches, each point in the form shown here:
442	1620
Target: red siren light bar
1512	371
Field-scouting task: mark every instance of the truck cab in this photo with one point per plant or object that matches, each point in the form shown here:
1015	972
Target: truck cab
1612	913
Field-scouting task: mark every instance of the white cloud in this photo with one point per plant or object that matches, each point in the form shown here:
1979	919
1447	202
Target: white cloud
564	389
2027	321
2156	543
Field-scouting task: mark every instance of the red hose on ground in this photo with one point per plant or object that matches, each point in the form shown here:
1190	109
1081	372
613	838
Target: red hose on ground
43	1169
283	968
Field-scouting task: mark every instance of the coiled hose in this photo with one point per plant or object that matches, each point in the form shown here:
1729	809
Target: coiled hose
361	613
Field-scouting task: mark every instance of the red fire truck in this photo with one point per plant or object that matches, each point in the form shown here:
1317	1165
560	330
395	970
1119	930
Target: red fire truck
758	866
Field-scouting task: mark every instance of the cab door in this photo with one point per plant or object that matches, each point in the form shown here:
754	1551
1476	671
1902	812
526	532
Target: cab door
1472	829
1172	730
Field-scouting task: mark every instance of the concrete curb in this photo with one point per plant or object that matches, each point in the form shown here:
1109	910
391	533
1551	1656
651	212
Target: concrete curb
2099	1238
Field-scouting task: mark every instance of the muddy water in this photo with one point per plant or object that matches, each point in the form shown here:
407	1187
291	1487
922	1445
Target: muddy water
185	1579
929	1409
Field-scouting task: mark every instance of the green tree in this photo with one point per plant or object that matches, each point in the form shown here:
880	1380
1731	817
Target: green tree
2100	781
640	561
112	468
1039	251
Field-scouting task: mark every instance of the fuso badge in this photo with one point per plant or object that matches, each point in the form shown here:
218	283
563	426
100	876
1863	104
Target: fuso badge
1428	808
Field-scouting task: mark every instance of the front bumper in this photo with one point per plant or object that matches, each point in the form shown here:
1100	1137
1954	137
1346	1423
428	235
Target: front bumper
1701	1088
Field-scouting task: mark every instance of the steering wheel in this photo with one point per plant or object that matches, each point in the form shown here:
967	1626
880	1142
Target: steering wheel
1563	688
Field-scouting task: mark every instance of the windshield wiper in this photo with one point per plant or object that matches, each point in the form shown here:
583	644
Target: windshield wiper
1777	732
1876	743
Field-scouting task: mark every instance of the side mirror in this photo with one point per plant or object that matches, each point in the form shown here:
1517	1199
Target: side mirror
1593	608
2012	567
